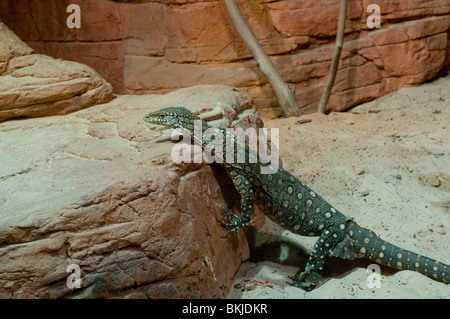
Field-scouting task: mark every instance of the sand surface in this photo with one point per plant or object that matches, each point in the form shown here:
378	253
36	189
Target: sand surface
387	164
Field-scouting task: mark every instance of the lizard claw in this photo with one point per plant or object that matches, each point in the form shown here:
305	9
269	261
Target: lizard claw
232	221
229	216
307	280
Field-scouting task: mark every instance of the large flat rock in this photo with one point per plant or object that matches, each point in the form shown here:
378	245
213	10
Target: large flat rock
97	188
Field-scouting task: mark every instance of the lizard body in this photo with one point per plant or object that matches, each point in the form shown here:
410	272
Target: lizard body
293	205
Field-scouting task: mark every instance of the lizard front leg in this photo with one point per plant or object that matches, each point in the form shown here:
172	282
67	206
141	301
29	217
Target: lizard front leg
244	187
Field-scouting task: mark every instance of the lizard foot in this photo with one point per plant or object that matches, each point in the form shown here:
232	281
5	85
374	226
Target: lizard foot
233	221
307	280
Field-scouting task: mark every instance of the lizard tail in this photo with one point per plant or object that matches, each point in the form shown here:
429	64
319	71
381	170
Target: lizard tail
369	245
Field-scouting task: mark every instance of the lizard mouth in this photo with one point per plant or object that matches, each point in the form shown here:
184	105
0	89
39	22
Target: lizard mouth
154	119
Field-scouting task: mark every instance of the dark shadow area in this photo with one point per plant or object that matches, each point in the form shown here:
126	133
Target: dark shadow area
230	194
278	250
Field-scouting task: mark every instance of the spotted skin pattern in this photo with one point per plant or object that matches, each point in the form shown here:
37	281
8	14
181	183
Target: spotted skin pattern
293	205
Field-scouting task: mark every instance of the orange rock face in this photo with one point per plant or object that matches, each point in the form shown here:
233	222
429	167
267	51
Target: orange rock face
159	46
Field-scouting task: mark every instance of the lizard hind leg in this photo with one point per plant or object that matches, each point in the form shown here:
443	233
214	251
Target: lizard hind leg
332	242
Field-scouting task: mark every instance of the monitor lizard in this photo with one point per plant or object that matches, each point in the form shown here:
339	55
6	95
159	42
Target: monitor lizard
289	202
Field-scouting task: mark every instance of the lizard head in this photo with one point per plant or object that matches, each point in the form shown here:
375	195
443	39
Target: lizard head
172	117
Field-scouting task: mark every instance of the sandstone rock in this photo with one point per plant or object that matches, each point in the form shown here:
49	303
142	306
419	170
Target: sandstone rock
410	30
392	11
317	18
95	188
106	57
146	26
34	85
196	39
151	75
11	46
158	46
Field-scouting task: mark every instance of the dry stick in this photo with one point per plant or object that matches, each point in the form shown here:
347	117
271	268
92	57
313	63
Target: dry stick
335	59
284	92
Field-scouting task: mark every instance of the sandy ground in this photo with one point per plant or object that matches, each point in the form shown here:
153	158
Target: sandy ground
387	164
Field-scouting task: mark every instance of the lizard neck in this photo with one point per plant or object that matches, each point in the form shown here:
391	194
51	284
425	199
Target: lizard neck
194	126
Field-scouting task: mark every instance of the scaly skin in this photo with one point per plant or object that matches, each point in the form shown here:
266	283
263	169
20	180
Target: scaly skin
290	203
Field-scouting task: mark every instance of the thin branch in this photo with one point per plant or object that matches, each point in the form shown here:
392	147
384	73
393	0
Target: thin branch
284	92
335	59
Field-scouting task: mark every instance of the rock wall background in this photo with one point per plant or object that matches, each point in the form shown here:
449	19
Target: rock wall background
158	46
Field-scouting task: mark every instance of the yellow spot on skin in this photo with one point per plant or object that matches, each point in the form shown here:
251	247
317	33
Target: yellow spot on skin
399	264
342	226
290	190
366	240
350	233
381	255
333	210
363	250
399	256
417	265
383	247
327	215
